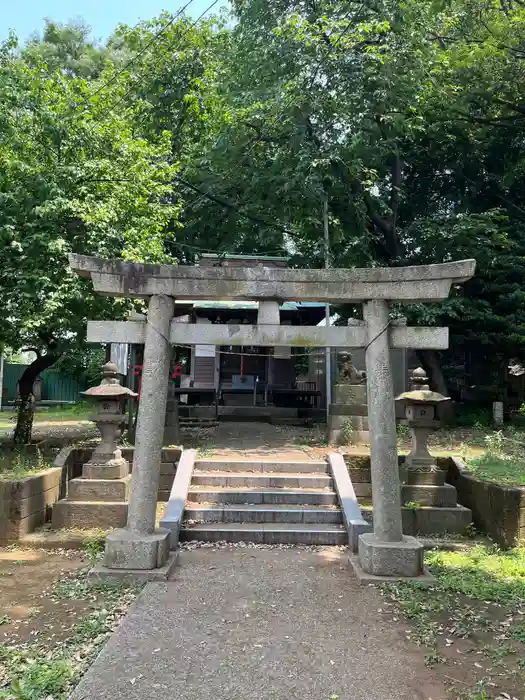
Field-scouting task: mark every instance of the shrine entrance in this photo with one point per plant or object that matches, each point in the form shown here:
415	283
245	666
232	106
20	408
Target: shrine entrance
140	546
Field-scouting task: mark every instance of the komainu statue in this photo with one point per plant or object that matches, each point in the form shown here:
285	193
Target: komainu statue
348	374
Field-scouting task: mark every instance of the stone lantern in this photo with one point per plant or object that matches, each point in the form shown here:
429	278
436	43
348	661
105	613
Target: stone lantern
420	411
107	461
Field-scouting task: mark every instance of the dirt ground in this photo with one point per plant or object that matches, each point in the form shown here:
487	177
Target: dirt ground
26	610
30	613
472	651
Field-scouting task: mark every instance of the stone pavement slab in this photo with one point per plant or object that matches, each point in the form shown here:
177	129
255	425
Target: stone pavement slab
240	623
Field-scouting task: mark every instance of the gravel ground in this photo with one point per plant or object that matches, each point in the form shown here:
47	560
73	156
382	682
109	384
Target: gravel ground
260	624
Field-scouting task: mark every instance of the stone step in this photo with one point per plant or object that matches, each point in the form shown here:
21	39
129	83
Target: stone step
89	514
262	466
440	496
99	489
313	497
267	533
431	520
426	495
198	423
268	480
349	422
363	490
263	513
170	454
357	437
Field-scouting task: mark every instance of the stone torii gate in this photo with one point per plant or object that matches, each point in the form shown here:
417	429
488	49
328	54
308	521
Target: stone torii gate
385	551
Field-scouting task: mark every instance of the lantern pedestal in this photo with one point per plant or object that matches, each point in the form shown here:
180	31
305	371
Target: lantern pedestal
99	498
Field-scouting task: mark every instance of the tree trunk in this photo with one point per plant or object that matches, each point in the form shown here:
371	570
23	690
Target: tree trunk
26	409
432	366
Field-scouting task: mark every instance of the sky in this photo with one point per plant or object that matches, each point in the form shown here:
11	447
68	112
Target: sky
26	16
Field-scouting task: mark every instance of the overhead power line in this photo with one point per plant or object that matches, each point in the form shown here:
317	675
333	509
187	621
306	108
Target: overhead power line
75	131
150	43
140	53
225	203
133	87
309	79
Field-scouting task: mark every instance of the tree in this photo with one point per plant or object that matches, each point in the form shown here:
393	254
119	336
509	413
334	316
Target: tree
72	179
399	115
178	87
68	48
464	189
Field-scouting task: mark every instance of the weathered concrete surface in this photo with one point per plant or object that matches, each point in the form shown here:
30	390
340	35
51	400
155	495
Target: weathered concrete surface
354	523
247	624
381	558
139	545
151	417
418	282
179	492
25	504
386	492
126	549
497	510
418	337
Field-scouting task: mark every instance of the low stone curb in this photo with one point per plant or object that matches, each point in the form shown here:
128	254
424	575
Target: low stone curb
172	519
353	520
26	503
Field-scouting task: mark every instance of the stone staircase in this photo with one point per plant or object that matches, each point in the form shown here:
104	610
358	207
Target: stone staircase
263	502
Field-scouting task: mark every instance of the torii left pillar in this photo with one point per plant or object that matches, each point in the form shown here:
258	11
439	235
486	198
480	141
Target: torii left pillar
139	549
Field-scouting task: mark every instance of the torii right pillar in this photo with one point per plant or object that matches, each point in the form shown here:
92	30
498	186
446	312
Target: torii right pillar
386	552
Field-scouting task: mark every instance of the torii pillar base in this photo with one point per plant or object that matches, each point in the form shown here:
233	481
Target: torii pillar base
391	559
136	557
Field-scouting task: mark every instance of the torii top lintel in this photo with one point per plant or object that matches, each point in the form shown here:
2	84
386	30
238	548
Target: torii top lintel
404	284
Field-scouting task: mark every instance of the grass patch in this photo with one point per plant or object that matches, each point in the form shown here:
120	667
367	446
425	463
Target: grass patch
482	573
33	671
94	546
15	465
75	412
40	679
472	618
412	505
501	469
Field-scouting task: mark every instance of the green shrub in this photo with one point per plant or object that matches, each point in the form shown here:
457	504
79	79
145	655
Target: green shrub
472	417
42	679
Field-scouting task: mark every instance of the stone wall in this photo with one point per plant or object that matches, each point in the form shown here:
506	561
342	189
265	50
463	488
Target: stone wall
26	504
499	511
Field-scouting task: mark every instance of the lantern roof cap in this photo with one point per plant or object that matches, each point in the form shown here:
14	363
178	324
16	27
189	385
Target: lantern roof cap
109	387
422	396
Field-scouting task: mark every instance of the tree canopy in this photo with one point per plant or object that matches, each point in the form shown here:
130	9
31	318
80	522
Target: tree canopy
177	137
71	180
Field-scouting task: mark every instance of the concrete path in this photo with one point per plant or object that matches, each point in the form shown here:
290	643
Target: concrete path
260	624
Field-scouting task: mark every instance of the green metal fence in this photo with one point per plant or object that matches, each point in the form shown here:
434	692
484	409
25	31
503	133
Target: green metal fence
55	386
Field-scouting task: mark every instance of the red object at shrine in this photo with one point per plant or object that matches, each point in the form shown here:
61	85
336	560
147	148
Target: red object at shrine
138	373
177	372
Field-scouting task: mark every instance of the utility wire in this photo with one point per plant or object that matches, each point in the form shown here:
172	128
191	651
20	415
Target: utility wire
208	194
225	203
133	87
140	53
114	104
